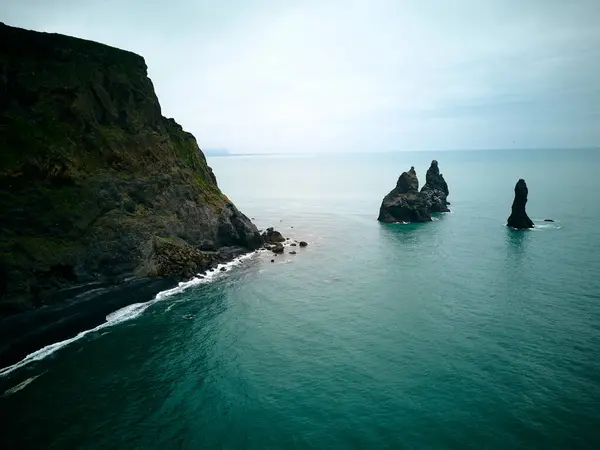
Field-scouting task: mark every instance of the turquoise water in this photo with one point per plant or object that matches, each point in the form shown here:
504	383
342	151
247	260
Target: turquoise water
458	333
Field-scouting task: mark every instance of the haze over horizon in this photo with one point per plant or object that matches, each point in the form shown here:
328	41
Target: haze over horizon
339	76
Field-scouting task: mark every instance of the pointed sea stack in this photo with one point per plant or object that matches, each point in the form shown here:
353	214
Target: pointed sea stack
518	217
404	203
435	191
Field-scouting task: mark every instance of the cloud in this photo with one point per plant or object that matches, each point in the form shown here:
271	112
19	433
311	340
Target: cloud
358	75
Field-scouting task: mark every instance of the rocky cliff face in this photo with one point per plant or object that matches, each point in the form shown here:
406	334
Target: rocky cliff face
435	189
95	184
404	203
518	217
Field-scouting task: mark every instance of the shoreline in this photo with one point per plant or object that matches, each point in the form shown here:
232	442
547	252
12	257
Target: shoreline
28	332
51	327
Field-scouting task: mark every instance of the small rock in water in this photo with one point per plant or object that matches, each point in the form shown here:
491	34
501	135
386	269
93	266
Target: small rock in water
272	260
303	244
223	269
548	220
272	237
292	253
293	244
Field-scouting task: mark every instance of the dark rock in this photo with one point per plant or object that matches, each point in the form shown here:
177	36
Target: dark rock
404	203
548	220
277	248
223	269
293	244
303	244
518	217
435	191
272	236
292	252
272	260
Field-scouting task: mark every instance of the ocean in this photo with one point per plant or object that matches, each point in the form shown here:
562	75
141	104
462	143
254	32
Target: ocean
454	334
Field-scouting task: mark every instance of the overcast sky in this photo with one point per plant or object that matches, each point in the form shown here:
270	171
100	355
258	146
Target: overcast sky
342	75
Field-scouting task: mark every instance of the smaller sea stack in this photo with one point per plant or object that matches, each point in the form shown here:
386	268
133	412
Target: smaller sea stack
435	191
518	217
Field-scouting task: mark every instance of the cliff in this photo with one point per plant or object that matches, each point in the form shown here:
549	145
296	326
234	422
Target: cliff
95	184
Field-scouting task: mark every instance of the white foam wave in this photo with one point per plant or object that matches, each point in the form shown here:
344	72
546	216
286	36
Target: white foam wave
126	313
21	385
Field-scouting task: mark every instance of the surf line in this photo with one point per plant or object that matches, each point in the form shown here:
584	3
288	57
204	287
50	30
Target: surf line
126	313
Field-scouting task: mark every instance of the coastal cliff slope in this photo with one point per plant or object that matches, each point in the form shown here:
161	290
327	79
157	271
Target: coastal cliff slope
95	184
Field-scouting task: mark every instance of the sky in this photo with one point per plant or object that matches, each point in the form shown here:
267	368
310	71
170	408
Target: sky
263	76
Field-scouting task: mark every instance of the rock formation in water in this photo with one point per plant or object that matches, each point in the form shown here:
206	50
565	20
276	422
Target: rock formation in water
272	236
435	190
95	184
405	203
518	217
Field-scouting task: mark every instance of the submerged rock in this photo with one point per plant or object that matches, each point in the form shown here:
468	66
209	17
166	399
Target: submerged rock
518	217
548	220
404	203
435	191
303	244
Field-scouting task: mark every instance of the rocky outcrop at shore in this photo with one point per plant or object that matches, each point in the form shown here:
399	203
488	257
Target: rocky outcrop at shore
95	184
435	191
518	217
271	236
405	203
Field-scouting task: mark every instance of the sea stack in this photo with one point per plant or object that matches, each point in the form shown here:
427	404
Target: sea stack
405	203
435	191
518	217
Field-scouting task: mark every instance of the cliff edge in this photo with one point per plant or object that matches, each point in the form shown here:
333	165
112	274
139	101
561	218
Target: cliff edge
95	184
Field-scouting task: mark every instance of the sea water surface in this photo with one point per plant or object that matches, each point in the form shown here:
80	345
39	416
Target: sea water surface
454	334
